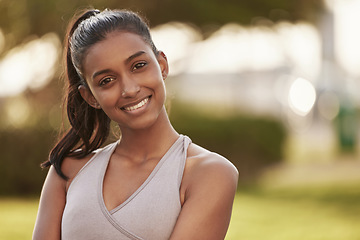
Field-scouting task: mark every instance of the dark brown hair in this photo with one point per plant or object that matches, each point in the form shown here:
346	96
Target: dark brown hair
90	127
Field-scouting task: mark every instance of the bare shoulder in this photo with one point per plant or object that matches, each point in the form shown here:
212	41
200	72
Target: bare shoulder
204	167
201	159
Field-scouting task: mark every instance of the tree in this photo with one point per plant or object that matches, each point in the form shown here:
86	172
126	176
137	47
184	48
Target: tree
22	18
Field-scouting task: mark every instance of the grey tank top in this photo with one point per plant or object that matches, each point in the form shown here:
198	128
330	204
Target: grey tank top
149	213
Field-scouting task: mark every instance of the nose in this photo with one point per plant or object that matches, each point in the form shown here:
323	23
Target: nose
130	88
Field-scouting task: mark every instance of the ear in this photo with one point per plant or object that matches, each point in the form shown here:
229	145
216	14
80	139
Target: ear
88	96
163	62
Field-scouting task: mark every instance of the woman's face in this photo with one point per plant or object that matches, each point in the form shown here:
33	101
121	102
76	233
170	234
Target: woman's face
126	80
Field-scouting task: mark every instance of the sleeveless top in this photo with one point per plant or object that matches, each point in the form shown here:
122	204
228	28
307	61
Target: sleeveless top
149	213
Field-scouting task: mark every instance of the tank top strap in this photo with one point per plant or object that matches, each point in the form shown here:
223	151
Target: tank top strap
186	143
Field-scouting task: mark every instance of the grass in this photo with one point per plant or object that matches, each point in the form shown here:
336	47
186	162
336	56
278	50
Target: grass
17	218
318	213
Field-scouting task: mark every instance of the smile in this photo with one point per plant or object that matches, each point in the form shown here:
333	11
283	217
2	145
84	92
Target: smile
137	106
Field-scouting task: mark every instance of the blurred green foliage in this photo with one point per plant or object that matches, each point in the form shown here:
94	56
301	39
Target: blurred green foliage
250	142
21	152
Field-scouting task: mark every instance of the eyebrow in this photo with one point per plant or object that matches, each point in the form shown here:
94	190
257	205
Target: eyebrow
135	55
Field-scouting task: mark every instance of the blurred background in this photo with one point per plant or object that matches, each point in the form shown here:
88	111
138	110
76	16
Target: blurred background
271	85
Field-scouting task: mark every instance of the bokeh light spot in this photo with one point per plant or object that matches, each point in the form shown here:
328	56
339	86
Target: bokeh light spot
302	96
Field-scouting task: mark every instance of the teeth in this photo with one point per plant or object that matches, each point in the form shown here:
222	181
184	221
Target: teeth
139	105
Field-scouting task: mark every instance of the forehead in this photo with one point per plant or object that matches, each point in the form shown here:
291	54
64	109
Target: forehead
117	46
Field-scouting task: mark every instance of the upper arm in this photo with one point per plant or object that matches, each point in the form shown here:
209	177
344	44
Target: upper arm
51	206
209	197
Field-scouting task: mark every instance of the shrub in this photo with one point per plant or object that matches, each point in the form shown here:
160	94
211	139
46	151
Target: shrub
21	152
250	143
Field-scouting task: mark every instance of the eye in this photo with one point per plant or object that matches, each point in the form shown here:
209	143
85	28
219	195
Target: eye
139	65
105	81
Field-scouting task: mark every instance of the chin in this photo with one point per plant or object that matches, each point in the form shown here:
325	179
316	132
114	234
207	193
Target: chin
141	123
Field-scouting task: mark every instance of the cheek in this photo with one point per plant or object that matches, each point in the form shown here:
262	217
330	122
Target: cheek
107	98
152	79
159	86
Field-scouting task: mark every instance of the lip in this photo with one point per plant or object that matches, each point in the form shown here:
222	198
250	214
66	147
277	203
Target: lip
133	106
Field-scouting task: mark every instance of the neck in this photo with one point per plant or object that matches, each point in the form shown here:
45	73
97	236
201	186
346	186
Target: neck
150	142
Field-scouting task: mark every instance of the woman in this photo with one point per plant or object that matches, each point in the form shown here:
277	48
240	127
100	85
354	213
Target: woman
153	183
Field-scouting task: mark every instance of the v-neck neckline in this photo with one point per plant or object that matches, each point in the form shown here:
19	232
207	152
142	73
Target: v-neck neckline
139	189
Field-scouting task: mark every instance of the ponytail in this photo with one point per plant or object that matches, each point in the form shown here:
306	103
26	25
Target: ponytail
90	127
